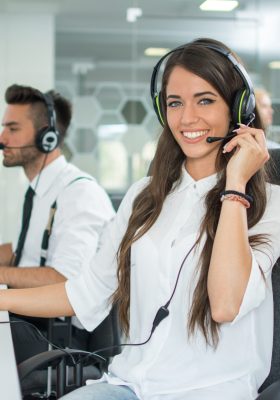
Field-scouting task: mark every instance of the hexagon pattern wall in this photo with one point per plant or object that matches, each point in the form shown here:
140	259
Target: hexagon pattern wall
113	133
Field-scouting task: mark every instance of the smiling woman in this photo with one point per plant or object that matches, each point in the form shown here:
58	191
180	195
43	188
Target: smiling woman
189	256
195	111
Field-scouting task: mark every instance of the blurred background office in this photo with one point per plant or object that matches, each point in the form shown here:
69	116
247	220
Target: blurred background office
100	55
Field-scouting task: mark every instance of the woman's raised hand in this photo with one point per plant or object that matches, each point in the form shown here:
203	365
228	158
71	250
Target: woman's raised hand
250	154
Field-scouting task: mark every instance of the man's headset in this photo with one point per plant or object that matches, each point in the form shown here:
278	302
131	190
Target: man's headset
243	103
47	138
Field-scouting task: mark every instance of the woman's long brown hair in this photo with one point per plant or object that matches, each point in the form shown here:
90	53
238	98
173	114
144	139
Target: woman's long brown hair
166	172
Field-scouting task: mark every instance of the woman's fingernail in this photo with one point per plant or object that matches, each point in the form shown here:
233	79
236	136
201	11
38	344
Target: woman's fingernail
242	125
236	130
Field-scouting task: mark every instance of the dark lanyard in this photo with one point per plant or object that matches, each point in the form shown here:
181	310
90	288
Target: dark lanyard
48	230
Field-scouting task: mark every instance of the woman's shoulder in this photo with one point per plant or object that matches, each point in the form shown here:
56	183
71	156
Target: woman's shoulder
273	197
269	223
133	192
272	190
137	187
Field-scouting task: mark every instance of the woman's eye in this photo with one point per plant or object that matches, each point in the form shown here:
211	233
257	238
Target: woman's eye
173	104
206	101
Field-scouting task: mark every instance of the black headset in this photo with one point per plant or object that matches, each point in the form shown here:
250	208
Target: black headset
47	138
244	102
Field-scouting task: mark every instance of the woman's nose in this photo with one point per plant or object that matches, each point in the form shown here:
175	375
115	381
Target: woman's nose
189	115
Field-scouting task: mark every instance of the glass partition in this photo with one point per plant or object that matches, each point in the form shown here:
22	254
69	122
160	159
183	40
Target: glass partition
101	65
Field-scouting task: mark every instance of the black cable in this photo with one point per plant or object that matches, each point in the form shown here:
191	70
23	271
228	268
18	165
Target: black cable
39	333
179	273
41	170
161	314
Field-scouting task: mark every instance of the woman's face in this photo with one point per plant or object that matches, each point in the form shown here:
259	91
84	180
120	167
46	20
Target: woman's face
195	110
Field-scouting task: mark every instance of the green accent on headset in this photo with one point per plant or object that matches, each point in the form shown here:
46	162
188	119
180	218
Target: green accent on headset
159	111
240	106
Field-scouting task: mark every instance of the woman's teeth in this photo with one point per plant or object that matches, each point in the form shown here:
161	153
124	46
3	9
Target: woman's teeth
193	135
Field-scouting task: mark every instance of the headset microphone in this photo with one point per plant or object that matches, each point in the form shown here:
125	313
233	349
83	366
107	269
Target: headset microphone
212	139
2	146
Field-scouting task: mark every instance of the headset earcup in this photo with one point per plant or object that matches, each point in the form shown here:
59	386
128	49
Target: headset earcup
237	105
46	141
243	106
158	107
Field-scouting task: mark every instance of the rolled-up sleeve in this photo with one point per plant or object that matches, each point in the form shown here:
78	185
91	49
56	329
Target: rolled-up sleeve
90	293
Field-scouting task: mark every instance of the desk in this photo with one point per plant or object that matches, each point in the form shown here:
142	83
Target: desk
9	383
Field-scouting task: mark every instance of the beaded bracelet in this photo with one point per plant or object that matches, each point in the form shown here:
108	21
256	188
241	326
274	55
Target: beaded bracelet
236	197
240	194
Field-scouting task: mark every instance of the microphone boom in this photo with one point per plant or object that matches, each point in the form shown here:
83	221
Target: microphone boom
2	146
212	139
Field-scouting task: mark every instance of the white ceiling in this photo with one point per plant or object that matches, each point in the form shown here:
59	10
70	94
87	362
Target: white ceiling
96	32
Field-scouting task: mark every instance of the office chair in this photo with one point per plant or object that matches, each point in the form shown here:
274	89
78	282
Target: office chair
68	372
67	376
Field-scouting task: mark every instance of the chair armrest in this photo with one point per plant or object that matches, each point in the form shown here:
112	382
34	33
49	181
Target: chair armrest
272	392
54	357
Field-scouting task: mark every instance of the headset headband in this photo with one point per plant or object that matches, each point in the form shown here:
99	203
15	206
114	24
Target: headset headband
50	110
244	105
47	138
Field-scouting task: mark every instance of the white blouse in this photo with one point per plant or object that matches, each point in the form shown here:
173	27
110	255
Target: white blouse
172	364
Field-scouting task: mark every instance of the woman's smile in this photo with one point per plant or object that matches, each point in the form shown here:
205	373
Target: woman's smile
194	136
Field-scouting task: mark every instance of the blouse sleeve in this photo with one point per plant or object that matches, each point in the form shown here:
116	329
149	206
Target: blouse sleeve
264	256
90	292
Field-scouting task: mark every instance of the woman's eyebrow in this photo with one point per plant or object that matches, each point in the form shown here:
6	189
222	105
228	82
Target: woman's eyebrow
205	93
174	96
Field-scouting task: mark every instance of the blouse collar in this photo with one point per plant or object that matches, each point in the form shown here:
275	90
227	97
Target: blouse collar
202	185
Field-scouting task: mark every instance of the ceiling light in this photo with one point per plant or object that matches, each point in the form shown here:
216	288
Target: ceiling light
156	51
218	5
274	65
133	13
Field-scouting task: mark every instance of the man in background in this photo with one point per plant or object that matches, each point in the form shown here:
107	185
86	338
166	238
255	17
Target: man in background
64	210
264	105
